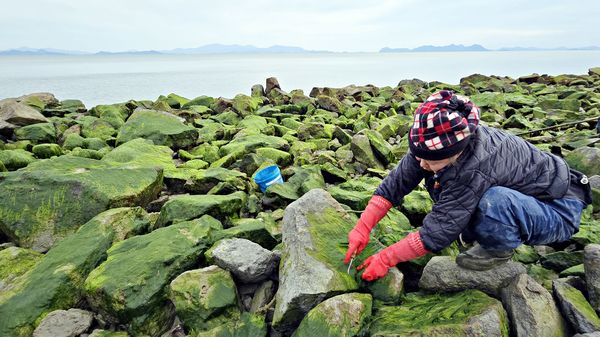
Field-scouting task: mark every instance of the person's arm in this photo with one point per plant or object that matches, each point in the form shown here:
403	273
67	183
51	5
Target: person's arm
401	180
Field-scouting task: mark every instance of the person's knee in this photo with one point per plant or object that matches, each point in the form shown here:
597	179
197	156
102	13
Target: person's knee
496	198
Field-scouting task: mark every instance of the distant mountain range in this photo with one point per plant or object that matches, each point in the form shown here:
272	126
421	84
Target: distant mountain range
249	49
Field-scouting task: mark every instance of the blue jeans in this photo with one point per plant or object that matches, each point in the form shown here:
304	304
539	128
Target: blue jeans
506	218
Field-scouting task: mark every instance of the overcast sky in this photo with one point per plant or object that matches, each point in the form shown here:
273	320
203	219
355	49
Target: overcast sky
337	25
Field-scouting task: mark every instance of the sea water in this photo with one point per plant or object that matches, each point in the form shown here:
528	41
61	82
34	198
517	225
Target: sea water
104	79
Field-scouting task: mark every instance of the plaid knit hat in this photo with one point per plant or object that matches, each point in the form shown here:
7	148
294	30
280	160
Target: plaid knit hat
443	126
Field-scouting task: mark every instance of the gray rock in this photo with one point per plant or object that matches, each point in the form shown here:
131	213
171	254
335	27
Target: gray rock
442	274
575	307
48	99
20	114
595	181
531	309
262	296
62	323
247	260
591	262
272	83
543	250
257	90
589	334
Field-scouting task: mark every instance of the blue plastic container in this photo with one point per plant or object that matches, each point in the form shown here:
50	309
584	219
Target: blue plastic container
268	176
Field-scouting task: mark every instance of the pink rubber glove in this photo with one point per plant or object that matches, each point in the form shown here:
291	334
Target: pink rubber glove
377	265
358	238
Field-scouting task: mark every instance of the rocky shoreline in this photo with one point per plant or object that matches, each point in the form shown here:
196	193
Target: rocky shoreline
142	218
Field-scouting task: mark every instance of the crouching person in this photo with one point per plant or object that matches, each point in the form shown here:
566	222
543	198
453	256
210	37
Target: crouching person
487	185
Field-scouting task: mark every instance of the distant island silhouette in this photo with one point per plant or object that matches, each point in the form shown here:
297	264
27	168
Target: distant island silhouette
216	48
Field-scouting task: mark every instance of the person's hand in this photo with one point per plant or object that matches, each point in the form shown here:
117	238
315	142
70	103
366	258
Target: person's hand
376	268
358	238
378	265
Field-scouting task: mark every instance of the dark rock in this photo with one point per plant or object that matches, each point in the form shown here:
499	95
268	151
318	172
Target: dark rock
442	274
575	307
272	83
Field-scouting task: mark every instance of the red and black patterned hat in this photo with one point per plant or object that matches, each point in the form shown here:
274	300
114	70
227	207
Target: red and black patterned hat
443	126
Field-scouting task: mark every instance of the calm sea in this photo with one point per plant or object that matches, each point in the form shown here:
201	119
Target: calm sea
103	79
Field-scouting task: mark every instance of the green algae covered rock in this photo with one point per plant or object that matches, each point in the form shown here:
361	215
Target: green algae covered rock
575	307
240	325
256	230
382	148
133	278
246	105
207	181
186	207
38	133
51	198
44	151
585	159
14	262
315	228
160	127
249	143
106	333
343	315
141	153
416	205
363	153
56	281
467	313
16	159
202	294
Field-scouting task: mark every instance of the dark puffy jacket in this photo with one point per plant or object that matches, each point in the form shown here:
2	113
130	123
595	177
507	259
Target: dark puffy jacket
493	158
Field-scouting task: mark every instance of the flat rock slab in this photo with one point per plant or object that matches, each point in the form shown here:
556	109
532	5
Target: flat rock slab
247	260
442	274
64	323
314	234
342	315
575	307
467	313
531	309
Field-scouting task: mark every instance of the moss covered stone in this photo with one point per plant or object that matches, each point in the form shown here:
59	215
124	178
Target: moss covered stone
132	279
16	159
186	207
141	153
107	333
252	142
50	199
343	315
14	262
44	151
467	313
56	281
585	159
575	307
160	127
202	294
37	133
204	181
279	157
241	325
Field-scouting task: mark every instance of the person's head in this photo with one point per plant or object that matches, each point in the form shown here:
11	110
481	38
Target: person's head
442	129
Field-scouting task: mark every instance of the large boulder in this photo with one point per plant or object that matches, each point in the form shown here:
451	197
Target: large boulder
16	159
186	207
37	133
592	274
56	282
132	281
342	315
574	306
314	234
51	198
467	313
200	295
249	143
19	114
161	127
247	260
442	274
531	309
64	323
141	153
585	159
363	153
